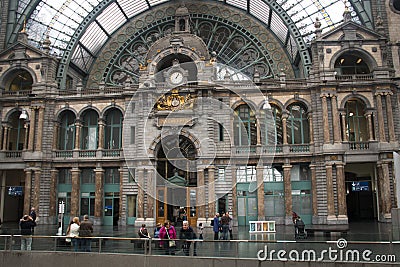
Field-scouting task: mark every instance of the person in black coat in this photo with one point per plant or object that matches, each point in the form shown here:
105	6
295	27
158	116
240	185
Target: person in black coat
187	233
26	225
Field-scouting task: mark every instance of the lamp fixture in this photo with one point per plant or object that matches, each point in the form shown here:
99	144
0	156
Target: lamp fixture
24	115
266	105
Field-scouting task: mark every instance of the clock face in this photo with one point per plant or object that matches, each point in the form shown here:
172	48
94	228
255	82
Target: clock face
176	77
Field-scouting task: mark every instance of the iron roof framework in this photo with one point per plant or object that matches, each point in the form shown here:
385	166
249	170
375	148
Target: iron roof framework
78	29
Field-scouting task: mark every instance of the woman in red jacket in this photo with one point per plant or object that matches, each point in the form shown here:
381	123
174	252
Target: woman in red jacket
168	232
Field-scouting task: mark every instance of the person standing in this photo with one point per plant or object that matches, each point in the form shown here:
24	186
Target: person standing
33	216
187	233
85	234
230	225
26	225
200	230
216	226
73	232
225	226
168	232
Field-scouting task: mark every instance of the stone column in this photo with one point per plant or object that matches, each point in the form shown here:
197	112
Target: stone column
140	195
314	191
99	194
384	192
6	130
27	191
201	196
78	127
260	192
121	211
341	193
310	123
56	133
211	191
288	193
370	126
392	135
344	125
258	123
330	198
32	119
284	128
325	118
234	192
75	192
336	122
26	137
39	140
53	193
36	189
381	123
102	125
151	195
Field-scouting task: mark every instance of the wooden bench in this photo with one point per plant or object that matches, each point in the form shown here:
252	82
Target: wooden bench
327	230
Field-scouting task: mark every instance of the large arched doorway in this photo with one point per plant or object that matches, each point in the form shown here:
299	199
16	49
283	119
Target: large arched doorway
177	180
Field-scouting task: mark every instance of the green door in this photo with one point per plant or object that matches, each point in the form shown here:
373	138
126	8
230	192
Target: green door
247	207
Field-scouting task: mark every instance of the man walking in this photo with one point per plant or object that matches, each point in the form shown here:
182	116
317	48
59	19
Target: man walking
85	234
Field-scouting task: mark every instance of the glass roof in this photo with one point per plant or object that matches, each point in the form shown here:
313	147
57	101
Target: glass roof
79	28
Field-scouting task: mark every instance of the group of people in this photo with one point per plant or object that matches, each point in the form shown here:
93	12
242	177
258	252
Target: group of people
222	225
80	233
168	235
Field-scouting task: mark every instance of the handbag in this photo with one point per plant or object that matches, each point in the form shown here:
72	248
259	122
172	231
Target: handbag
171	243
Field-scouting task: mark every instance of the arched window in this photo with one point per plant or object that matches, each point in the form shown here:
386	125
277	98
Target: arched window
356	123
297	125
272	126
89	130
21	80
17	132
348	64
113	133
245	131
66	138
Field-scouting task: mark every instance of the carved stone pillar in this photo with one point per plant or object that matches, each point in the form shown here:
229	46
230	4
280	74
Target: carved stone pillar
26	137
151	191
234	191
284	128
329	193
341	192
99	194
75	192
121	211
336	122
260	192
140	196
314	190
56	134
78	127
201	196
385	202
211	191
39	140
392	136
27	191
36	189
325	118
288	192
344	126
53	191
102	125
381	123
32	119
370	126
310	126
6	130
